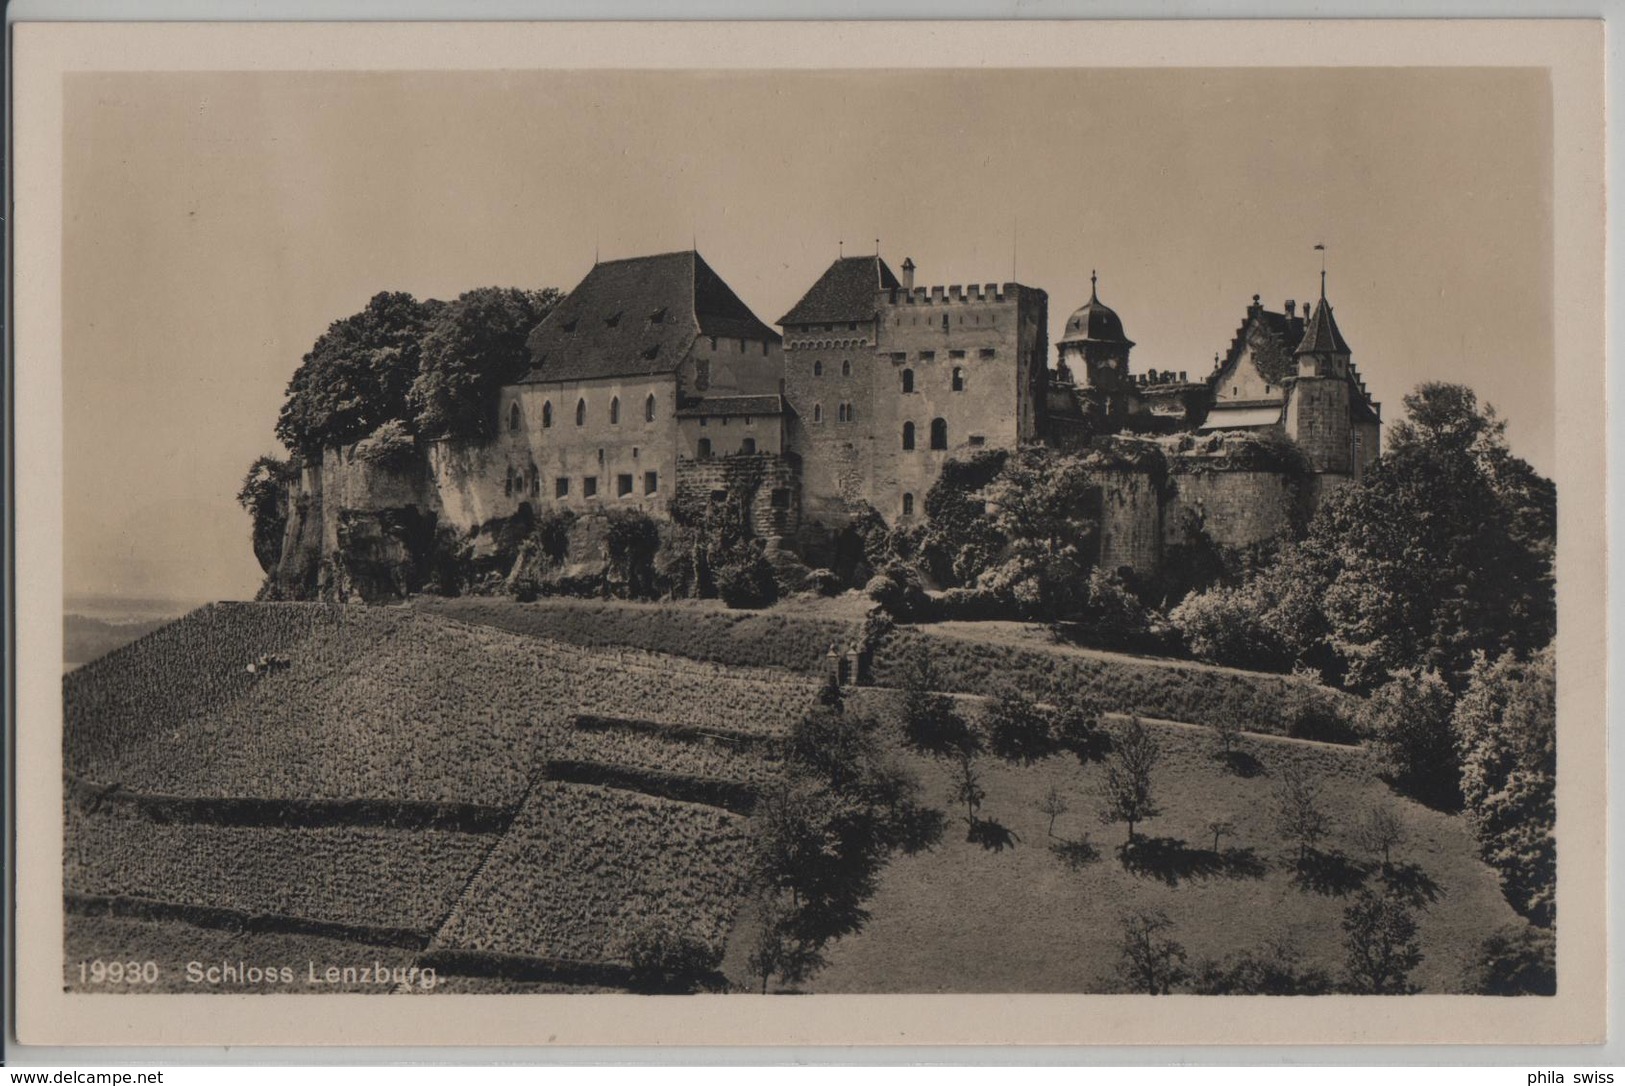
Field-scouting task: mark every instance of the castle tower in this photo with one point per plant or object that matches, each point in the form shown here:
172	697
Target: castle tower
1328	412
1094	349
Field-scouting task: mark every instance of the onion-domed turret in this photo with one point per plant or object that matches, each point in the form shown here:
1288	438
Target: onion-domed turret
1095	322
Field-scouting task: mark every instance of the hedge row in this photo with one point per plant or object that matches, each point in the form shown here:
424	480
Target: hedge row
728	795
238	920
1257	702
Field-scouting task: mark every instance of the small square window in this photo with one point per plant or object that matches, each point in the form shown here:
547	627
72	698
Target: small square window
780	498
651	482
987	352
589	486
977	441
561	487
956	354
623	485
928	356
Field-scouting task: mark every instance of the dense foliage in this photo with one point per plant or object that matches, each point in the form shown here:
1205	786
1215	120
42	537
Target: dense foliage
474	346
357	375
264	494
1506	728
1406	721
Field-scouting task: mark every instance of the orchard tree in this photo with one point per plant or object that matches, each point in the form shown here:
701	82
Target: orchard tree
1054	805
1379	936
1151	961
1298	811
1129	796
1017	729
357	376
474	346
1379	832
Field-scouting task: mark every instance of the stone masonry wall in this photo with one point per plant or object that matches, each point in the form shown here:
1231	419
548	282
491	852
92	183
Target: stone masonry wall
700	480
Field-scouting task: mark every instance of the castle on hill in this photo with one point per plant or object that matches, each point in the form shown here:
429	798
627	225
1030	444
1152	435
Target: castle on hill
652	381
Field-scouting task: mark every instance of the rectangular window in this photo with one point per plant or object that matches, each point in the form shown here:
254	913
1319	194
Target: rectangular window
589	486
623	486
781	498
928	356
899	356
651	482
977	441
561	487
987	352
956	354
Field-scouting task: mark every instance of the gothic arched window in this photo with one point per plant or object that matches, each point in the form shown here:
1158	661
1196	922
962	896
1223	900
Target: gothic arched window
581	412
959	379
818	368
939	433
818	412
513	416
846	367
908	437
614	410
547	414
649	408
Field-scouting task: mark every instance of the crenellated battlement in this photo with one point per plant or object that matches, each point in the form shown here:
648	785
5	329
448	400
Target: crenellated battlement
975	293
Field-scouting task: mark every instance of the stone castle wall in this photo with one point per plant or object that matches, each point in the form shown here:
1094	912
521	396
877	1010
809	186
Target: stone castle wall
1234	508
775	501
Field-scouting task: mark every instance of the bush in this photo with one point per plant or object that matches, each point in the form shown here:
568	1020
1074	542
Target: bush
390	446
1225	626
1407	723
897	590
1018	730
747	582
1515	961
1278	969
632	539
823	582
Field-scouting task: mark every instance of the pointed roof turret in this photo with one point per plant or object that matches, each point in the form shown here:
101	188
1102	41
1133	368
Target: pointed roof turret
1321	336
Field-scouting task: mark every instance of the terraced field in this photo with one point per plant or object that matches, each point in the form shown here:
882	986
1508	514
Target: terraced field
616	863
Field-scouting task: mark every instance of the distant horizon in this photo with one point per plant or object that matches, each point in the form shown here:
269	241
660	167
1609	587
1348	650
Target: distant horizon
218	222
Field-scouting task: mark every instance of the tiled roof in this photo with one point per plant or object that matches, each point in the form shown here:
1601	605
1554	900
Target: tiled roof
1224	417
847	291
1322	336
638	317
733	405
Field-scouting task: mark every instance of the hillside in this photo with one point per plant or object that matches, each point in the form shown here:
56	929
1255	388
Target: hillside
521	796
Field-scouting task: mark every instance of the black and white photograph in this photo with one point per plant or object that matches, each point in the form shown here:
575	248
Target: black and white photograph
716	532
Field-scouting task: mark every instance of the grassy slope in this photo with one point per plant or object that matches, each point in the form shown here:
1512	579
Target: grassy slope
964	919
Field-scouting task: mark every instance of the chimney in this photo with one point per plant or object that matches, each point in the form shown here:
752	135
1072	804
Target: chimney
1291	309
908	273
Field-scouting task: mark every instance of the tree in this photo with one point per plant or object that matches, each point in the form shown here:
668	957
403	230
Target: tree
357	375
632	539
1227	728
1150	961
932	724
1442	551
1077	729
775	951
264	494
747	581
1054	805
1298	813
967	786
1379	935
473	347
1220	827
1277	969
1407	722
1017	729
1380	832
1506	730
1129	796
1045	507
1520	960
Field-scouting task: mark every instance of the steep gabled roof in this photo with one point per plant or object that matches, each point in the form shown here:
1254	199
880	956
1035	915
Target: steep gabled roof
1322	336
1278	330
638	317
847	291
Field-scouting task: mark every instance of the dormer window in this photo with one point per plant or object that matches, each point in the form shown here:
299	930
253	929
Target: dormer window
613	320
658	316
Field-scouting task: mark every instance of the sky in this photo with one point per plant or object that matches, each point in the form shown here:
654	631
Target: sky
216	223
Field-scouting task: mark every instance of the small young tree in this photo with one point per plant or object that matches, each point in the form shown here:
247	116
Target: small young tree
1379	935
1054	805
1077	729
1298	813
1379	832
1128	777
1151	962
1017	729
776	951
1227	729
967	786
1220	827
